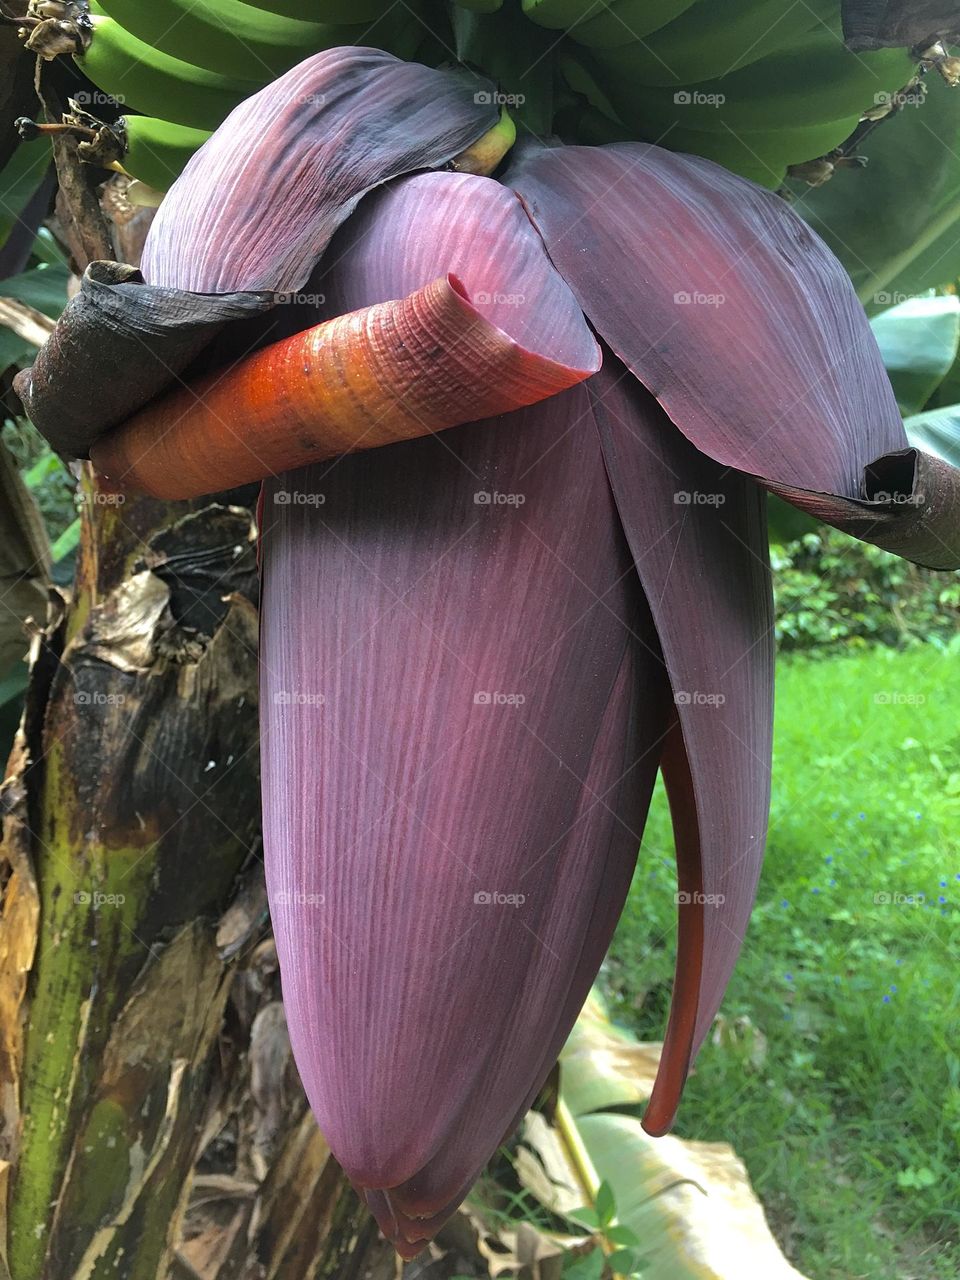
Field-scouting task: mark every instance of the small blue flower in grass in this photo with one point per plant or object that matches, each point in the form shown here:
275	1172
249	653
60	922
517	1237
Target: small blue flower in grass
784	902
893	988
788	976
861	816
943	884
886	999
941	898
828	858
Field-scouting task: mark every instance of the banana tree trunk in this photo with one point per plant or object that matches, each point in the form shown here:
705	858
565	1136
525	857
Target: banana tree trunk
151	1121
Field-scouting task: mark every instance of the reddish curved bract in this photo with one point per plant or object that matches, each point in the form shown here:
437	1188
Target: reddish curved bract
385	373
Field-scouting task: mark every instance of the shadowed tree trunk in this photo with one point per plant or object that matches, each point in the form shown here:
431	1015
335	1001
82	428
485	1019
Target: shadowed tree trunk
151	1120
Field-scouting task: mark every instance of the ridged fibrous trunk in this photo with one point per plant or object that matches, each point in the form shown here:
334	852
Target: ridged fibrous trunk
151	1121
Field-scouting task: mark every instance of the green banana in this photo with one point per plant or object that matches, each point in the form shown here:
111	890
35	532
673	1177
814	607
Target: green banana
487	152
153	82
333	11
625	19
229	37
766	153
594	129
157	151
762	156
814	82
708	40
404	28
634	18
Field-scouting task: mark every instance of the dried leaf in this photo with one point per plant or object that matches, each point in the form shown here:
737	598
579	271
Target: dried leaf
117	343
882	24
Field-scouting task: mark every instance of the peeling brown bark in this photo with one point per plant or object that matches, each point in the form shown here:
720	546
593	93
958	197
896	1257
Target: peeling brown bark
151	1120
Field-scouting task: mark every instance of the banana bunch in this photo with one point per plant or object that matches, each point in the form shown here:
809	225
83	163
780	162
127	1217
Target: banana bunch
756	85
183	65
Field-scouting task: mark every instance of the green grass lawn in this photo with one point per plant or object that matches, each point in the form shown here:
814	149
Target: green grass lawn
842	1091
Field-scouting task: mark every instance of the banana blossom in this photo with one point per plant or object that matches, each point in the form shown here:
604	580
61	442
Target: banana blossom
480	645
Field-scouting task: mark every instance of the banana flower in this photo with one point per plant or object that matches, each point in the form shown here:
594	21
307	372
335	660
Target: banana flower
481	643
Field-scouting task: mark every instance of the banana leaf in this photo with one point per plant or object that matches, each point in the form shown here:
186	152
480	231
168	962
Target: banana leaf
893	224
19	179
689	1205
918	341
937	431
44	289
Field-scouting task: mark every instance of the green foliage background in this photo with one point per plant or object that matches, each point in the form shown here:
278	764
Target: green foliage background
835	1069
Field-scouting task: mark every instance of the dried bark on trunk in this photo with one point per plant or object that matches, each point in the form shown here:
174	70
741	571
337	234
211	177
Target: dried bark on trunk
151	1121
